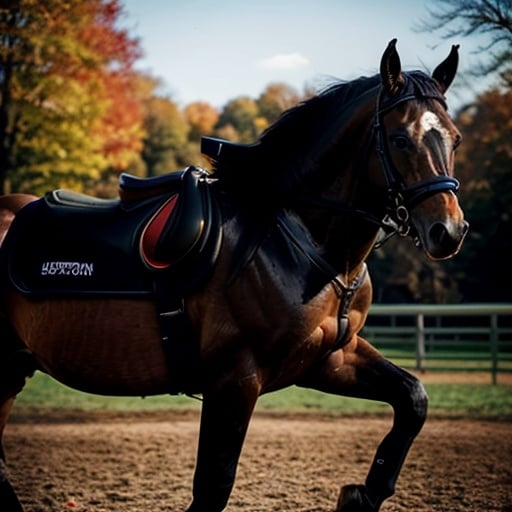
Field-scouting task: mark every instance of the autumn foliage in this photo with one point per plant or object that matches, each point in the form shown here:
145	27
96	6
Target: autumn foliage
67	105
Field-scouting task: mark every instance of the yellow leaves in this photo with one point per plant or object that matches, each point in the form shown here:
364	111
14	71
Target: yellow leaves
261	123
71	88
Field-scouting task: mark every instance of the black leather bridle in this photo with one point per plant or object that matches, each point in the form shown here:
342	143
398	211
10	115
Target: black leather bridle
401	198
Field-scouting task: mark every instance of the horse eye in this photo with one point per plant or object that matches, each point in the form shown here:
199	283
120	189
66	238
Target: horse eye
401	142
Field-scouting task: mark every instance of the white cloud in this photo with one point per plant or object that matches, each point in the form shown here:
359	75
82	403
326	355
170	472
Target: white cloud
284	61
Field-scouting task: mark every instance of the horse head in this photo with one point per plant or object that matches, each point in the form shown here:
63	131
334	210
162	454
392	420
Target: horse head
373	152
416	140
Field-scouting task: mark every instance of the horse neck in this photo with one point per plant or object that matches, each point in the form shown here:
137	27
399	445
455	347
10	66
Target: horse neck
346	237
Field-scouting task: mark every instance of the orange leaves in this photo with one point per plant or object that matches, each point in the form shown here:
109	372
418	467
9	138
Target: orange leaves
201	117
70	90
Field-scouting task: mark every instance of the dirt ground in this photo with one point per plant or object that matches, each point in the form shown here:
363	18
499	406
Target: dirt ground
145	462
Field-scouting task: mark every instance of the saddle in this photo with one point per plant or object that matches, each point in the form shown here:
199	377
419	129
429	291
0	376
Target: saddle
213	148
160	228
159	239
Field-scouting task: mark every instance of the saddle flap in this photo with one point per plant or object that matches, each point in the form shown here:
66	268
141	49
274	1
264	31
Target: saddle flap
181	225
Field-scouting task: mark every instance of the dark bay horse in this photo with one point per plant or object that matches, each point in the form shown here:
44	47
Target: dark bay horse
283	291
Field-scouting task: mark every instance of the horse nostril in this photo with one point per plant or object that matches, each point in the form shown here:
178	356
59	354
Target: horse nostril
438	233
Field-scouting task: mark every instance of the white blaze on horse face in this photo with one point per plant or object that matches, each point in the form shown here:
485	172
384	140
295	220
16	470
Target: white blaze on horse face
430	121
436	138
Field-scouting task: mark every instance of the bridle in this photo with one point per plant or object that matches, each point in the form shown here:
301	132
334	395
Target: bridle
401	198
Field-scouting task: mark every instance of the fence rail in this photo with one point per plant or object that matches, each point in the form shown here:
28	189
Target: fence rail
450	337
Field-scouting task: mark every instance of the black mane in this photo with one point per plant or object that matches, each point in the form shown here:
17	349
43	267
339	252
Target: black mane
276	165
283	159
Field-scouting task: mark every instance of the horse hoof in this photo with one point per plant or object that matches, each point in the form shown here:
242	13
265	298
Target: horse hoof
353	498
8	498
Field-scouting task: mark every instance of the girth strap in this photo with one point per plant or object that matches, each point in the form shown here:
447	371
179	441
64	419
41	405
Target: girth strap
180	345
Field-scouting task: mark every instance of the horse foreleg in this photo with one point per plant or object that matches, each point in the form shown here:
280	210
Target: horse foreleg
8	499
13	372
225	417
361	372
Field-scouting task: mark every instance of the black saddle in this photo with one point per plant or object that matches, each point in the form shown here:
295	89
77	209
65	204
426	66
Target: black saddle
73	244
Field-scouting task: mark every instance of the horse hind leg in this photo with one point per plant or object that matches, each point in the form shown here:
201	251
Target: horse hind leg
15	367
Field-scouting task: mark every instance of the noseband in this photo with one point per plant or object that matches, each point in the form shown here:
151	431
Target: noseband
401	198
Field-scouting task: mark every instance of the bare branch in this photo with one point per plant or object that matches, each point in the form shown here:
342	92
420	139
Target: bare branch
467	18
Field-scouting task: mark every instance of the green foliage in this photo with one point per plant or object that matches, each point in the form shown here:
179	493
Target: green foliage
74	114
166	136
275	99
241	113
56	145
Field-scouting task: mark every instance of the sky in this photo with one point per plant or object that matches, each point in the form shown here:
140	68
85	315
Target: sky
217	50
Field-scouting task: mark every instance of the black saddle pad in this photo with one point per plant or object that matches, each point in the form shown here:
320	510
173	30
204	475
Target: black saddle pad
79	250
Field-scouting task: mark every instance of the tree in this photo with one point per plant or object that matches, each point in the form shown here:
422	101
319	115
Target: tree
202	118
276	98
492	18
401	273
66	108
480	272
484	167
166	136
240	113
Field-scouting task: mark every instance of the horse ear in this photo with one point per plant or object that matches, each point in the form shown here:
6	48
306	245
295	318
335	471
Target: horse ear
391	69
445	72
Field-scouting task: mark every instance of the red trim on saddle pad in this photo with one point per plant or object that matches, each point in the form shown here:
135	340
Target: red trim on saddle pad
151	234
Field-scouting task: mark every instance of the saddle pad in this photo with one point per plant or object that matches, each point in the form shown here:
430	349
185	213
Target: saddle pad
79	251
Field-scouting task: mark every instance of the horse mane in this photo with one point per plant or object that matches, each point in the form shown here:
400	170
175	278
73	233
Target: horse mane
288	150
283	160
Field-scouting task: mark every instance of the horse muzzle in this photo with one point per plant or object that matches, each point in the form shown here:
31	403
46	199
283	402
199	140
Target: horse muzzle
443	239
439	225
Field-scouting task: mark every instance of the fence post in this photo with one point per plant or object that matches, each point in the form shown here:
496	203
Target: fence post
420	341
494	348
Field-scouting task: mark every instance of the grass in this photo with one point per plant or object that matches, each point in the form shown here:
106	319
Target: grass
474	400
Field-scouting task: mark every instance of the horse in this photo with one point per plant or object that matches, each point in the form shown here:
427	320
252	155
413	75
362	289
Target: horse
245	279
